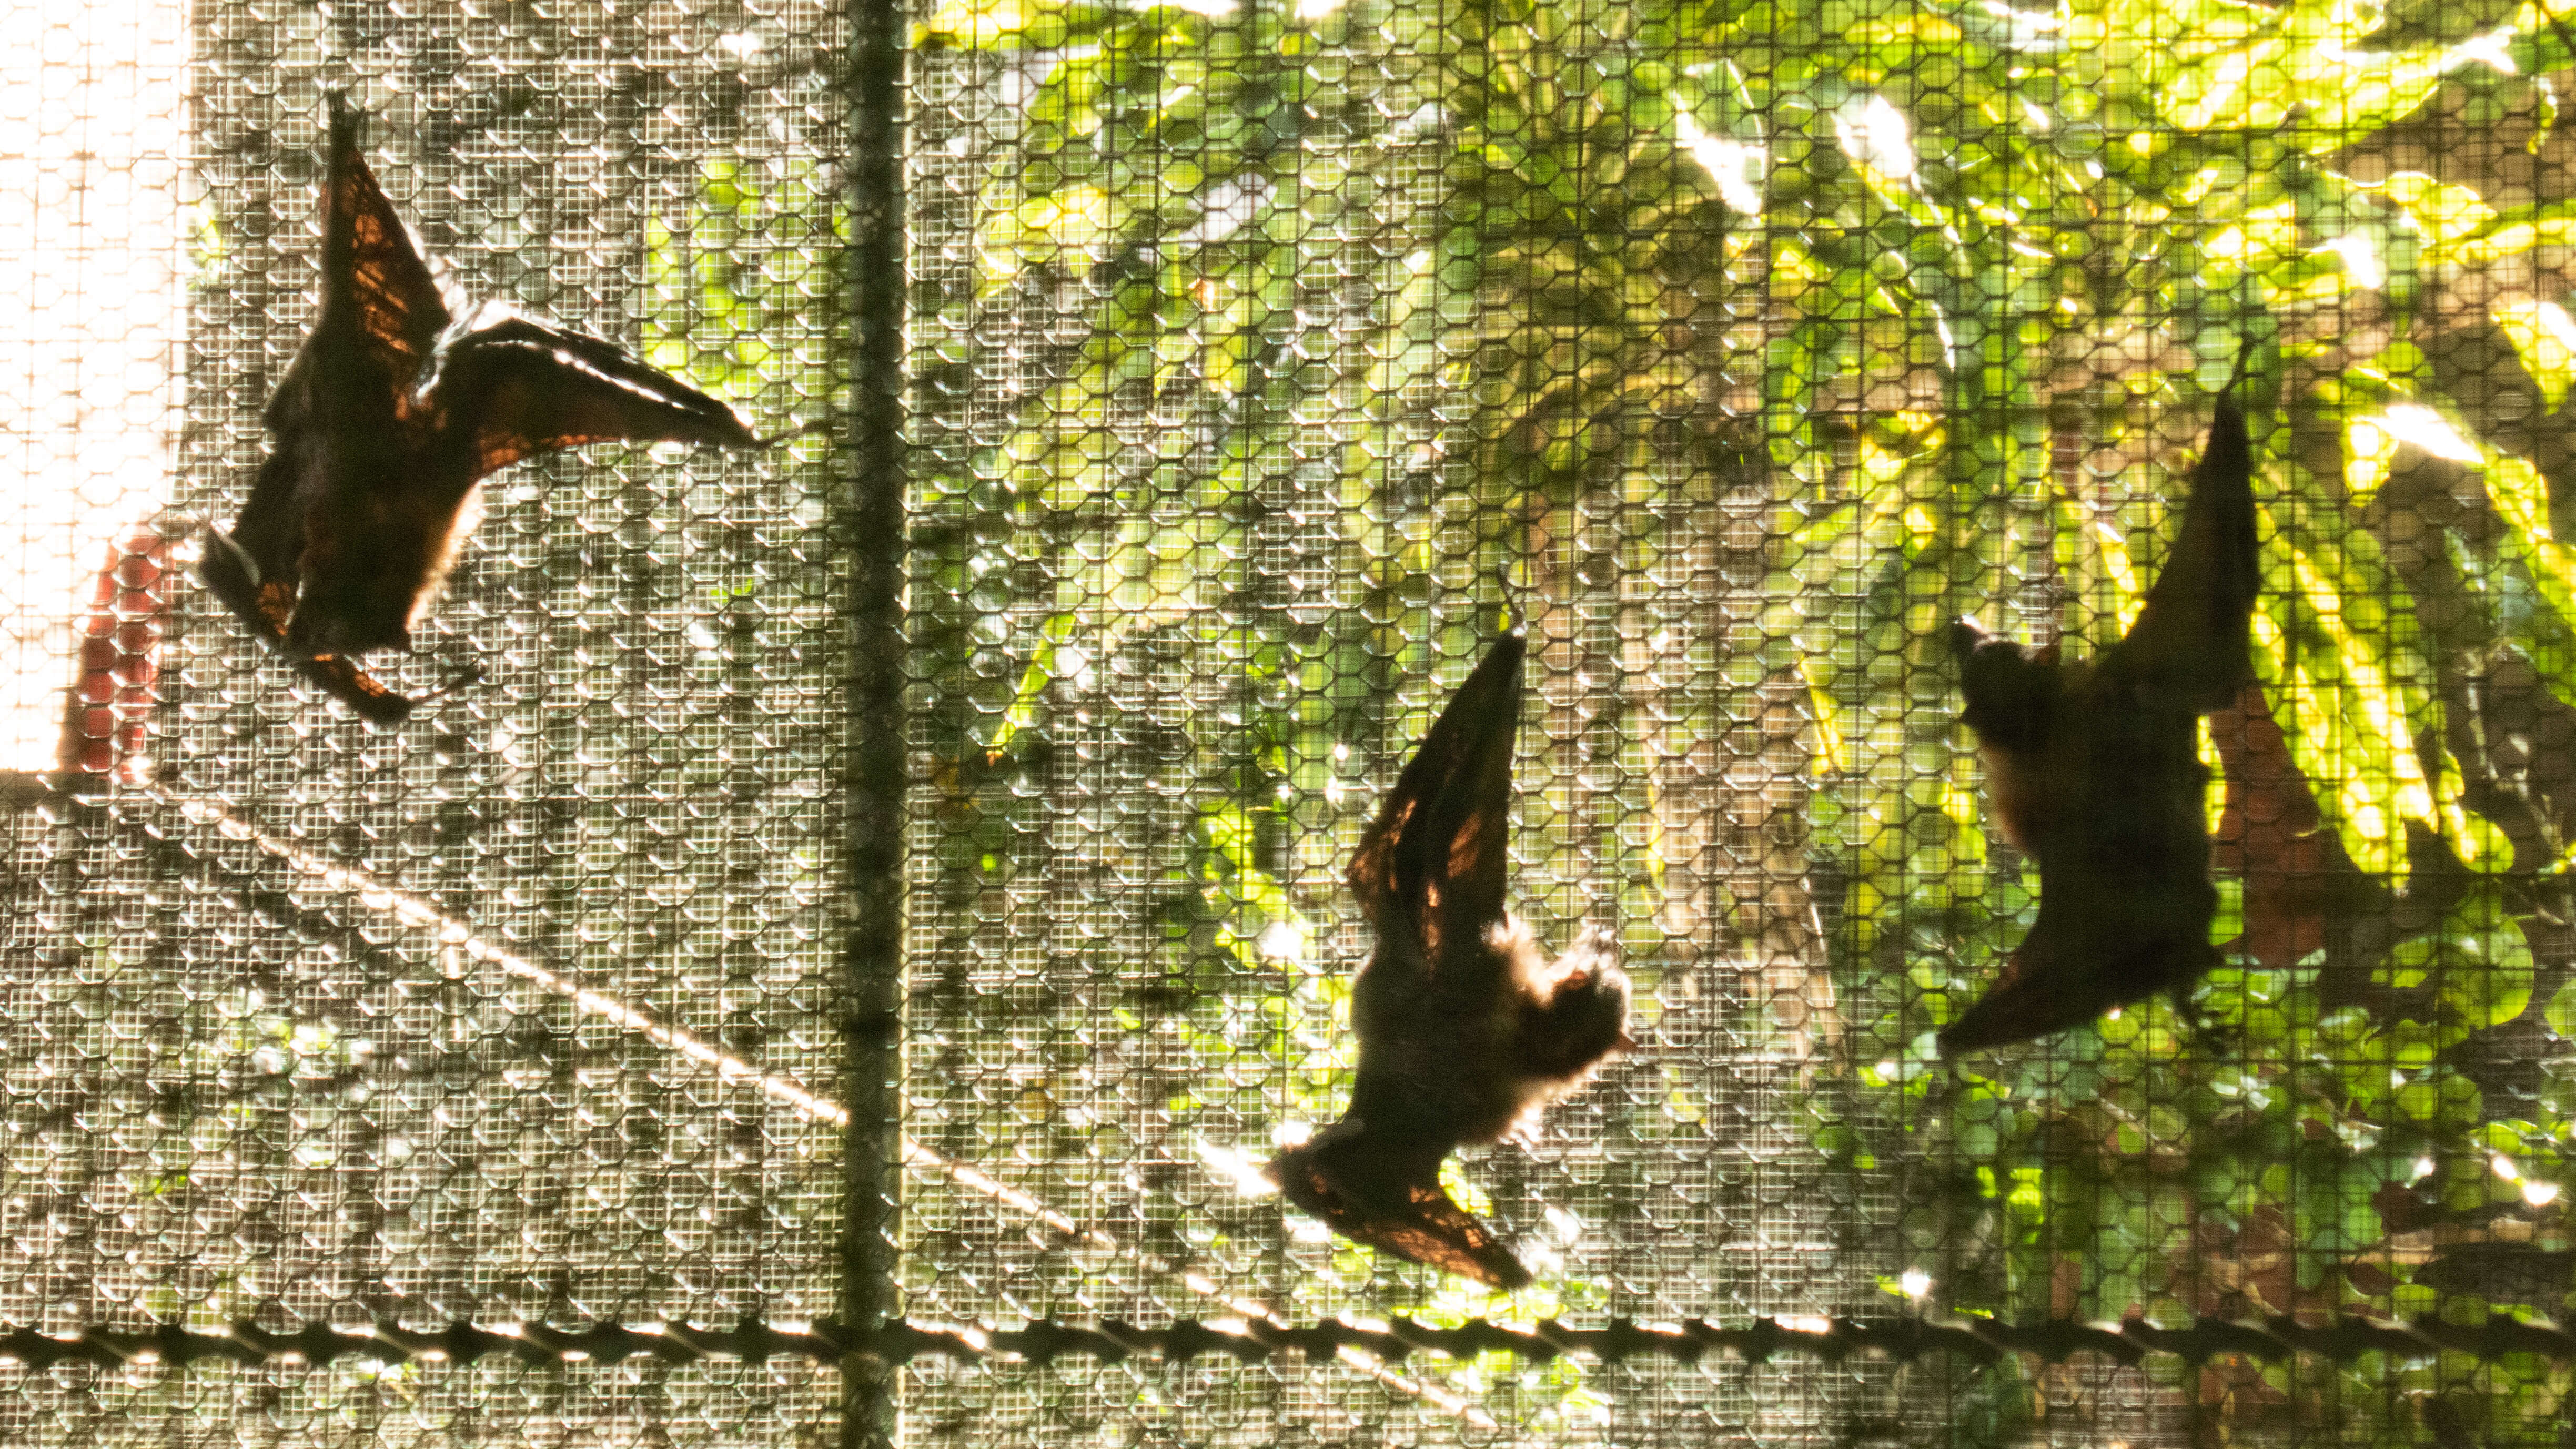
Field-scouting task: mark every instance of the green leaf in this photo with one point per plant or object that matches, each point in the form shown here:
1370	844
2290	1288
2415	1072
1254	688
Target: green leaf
2344	711
1008	24
2521	496
2544	337
2562	1011
2488	970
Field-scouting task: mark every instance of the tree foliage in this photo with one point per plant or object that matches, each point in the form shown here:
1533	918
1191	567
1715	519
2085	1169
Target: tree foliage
1958	279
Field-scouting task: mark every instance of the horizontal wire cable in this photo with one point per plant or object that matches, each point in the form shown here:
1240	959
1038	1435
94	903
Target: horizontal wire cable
1260	1333
1108	1340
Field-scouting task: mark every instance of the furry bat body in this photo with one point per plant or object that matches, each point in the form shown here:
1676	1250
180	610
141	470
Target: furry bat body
1466	1030
387	422
2094	768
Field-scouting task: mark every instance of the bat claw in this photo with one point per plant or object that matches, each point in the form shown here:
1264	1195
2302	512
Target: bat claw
240	556
470	674
818	425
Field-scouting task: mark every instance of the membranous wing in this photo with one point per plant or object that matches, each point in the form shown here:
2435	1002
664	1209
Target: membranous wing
512	387
1433	864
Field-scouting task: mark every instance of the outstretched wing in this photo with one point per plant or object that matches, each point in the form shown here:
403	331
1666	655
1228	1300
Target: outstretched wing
519	387
2084	955
2189	649
2043	989
1433	864
373	283
1384	1190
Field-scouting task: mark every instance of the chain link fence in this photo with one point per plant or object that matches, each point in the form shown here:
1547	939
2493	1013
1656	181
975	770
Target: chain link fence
898	873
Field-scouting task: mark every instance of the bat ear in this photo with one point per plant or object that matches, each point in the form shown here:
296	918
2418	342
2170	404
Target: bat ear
1967	636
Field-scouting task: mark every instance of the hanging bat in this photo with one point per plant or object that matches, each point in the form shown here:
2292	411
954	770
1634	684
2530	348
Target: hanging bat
387	422
2094	768
1466	1031
2502	1273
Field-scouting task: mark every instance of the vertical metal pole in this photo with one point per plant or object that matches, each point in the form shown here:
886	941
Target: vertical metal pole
872	519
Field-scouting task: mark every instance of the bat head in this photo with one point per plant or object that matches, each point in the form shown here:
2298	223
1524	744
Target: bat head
1581	1012
1387	1194
2010	690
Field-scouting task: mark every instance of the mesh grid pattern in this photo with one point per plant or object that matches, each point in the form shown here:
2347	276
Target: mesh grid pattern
236	1093
1261	360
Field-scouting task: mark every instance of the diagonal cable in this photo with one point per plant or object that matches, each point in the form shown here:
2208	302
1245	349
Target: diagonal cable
414	911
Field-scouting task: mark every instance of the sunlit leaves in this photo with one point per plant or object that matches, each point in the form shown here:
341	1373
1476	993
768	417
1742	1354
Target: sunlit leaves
2544	336
1008	24
1996	253
2343	691
1061	226
737	275
2205	64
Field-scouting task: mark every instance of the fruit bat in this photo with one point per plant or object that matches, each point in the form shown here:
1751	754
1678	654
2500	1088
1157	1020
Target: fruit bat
2094	768
1465	1029
386	423
2502	1273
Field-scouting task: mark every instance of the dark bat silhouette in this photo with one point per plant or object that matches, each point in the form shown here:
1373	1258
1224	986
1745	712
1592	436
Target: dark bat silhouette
2502	1273
2094	768
387	422
1465	1029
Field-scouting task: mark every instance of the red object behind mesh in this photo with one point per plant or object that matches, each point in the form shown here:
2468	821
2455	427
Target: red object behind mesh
105	719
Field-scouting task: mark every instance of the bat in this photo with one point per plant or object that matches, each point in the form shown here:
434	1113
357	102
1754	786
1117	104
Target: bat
1466	1030
104	718
2094	768
386	424
2502	1273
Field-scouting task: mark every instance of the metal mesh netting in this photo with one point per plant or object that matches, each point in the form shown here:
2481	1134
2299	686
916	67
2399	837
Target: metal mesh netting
240	1091
1260	362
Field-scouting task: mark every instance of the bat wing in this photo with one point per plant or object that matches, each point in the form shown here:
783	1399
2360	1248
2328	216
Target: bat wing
2189	648
1382	1188
339	676
2075	964
374	284
2502	1272
1434	862
2044	988
265	605
518	387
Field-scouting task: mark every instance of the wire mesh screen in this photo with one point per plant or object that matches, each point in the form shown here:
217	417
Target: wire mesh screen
242	1088
1261	364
